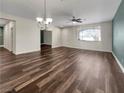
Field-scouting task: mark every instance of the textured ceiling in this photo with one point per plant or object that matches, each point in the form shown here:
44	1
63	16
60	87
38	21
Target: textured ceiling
62	10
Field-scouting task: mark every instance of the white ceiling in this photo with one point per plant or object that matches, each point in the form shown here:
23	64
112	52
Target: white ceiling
62	10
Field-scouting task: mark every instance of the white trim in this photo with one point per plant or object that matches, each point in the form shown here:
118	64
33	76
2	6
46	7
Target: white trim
55	46
117	60
86	48
25	52
1	45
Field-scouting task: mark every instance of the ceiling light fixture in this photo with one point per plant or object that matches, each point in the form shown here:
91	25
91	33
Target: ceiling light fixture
74	22
44	22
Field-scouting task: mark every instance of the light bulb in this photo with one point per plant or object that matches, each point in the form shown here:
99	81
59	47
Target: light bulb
39	19
49	20
73	22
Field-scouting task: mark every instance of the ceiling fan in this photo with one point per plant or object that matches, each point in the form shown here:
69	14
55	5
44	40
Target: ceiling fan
77	20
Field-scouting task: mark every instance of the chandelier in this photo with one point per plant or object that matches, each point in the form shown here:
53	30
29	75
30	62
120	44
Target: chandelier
43	22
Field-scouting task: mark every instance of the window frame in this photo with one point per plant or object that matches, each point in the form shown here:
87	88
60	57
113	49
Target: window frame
97	27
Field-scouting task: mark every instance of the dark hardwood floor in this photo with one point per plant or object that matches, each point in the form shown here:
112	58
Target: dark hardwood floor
44	47
60	70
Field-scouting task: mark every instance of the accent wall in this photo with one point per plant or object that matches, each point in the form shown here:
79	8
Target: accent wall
118	34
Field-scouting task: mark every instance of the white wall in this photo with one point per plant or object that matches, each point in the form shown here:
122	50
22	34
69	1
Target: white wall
48	37
27	34
56	36
69	37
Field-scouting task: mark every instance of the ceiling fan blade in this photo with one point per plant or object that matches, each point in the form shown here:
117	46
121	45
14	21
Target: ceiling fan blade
79	19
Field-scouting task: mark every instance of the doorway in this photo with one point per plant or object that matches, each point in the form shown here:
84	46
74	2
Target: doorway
46	40
1	36
7	35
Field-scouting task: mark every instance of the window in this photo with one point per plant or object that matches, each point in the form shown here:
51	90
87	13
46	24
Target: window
90	34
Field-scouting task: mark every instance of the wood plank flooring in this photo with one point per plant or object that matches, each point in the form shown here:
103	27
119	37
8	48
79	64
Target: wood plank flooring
60	70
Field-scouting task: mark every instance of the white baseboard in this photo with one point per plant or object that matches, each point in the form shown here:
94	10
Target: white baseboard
25	52
87	48
55	46
117	60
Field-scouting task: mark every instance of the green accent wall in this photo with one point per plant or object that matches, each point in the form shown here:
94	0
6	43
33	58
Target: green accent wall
1	35
118	33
